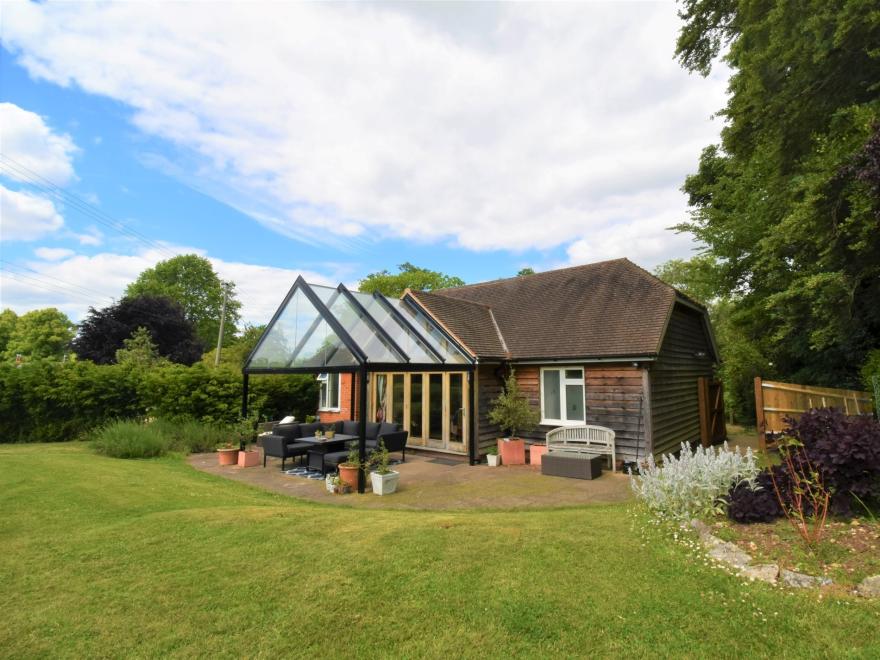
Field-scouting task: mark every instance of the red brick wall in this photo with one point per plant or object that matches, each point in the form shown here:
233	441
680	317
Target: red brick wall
345	384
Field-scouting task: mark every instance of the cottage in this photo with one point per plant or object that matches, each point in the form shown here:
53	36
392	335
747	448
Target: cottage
605	343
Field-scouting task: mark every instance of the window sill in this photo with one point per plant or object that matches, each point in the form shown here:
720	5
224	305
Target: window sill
561	422
329	409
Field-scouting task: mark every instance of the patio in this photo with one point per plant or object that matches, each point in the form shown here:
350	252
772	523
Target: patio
434	481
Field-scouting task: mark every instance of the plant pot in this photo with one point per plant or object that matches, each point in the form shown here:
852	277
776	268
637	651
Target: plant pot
328	482
349	474
536	453
512	451
248	459
227	456
385	484
494	460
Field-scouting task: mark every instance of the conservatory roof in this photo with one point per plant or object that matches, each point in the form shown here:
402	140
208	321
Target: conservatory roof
326	329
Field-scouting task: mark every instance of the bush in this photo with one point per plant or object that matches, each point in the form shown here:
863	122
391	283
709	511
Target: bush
131	439
759	504
696	483
845	449
191	436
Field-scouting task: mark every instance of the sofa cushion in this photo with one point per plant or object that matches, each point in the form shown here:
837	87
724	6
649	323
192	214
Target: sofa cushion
387	427
373	430
287	431
350	428
308	430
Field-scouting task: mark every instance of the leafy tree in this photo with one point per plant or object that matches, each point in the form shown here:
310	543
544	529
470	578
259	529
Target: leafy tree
409	277
696	277
528	270
42	333
511	410
104	331
190	280
8	319
139	351
239	349
789	203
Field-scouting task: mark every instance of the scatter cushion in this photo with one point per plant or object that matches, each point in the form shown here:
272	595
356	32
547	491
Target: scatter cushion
288	420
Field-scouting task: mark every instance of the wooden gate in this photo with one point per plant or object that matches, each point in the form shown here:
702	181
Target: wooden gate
711	397
775	401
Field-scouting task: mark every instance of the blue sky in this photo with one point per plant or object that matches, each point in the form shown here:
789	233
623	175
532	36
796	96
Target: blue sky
474	140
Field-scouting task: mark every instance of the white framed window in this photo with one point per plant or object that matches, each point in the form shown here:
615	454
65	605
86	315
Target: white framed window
329	397
563	397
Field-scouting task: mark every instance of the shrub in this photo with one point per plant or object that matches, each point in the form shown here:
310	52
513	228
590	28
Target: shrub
695	483
845	449
511	410
759	504
131	439
192	436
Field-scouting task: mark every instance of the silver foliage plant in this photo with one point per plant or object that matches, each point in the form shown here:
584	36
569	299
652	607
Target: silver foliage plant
695	483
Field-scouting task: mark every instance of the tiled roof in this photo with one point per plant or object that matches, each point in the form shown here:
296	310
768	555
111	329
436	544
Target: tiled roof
607	309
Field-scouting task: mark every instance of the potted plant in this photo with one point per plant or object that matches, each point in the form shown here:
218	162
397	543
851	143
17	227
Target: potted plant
227	453
336	485
245	429
384	479
348	471
511	411
492	457
330	432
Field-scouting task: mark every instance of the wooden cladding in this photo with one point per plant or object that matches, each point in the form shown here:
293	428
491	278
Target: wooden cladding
774	401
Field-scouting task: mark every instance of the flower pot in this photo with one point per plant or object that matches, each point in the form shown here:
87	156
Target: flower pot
349	475
385	484
227	456
328	482
248	458
536	453
494	460
513	451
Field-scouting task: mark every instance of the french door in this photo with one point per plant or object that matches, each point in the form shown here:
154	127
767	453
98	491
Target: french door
432	406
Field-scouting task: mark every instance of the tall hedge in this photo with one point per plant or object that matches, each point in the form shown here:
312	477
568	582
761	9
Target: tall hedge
52	402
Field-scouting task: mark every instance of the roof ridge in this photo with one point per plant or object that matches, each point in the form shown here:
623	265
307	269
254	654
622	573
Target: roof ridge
524	277
498	330
667	285
464	300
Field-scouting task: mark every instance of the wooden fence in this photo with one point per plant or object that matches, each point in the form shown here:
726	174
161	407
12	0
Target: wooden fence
775	401
711	398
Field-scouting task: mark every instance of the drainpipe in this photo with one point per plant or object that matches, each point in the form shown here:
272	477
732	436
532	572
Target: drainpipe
472	425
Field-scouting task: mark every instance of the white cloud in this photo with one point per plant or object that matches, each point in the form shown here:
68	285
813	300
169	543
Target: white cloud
31	148
74	282
25	216
92	236
491	125
53	254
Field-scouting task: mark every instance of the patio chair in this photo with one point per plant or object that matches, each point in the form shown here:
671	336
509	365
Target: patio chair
395	441
282	443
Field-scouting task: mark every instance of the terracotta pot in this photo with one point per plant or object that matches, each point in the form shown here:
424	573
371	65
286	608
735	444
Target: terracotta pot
227	456
536	453
513	451
349	475
248	458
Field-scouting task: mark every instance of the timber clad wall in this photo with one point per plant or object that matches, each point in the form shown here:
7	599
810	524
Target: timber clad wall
675	405
613	398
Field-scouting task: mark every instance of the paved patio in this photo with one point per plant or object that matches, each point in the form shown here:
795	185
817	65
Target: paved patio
438	481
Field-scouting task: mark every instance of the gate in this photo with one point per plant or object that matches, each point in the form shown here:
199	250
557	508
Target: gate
711	397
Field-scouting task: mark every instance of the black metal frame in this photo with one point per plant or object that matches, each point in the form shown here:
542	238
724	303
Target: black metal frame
364	367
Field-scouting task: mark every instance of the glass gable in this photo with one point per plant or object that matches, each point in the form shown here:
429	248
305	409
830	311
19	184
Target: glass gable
319	326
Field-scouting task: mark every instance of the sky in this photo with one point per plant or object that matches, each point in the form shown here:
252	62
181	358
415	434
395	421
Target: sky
336	140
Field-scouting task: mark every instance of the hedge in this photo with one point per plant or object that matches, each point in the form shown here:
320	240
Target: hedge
50	401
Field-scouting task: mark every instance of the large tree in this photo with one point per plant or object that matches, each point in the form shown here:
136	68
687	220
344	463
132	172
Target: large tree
191	281
104	331
8	319
789	202
42	333
407	277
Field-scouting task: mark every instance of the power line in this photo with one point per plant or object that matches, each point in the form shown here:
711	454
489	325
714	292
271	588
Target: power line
15	169
90	292
47	286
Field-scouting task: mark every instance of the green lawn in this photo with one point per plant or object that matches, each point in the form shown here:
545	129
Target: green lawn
102	556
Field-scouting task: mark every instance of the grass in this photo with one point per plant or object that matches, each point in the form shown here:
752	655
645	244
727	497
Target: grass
106	557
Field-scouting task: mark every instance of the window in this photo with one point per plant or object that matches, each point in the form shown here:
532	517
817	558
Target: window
329	399
562	396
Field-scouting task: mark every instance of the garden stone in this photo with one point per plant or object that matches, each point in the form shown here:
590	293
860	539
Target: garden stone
701	528
869	587
764	572
801	580
730	553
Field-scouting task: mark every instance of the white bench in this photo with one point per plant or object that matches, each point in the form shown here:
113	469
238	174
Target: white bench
583	439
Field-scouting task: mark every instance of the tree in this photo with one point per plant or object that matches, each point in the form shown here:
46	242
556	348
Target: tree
190	280
511	410
105	331
139	351
42	333
239	349
8	319
409	277
528	270
696	277
789	203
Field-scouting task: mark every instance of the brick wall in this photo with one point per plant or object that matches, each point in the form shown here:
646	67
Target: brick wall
346	381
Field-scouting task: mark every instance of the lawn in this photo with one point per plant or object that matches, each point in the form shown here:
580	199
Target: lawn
109	557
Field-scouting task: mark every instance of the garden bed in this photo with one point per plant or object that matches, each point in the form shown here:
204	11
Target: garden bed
848	552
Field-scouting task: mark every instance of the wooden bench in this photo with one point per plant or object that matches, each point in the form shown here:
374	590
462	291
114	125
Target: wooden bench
582	439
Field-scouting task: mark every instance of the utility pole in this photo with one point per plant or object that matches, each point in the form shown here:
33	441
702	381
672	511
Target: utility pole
222	323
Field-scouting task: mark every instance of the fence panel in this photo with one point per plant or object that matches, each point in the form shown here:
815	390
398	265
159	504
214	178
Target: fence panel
774	401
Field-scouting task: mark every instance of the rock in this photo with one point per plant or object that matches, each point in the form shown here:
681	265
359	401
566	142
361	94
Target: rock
701	528
763	572
729	553
869	587
801	580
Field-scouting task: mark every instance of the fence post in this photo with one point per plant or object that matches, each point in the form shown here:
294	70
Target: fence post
760	422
